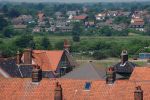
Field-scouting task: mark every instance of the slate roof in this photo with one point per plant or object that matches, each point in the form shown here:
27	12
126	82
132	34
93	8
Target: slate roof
88	71
23	71
85	71
127	67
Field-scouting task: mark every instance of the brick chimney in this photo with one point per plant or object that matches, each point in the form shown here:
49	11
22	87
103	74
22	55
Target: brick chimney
36	74
18	58
66	45
58	92
138	93
124	56
28	56
110	75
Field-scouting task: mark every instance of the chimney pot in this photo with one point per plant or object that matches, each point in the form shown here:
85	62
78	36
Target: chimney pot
18	58
138	93
110	75
28	56
58	92
36	74
124	56
66	45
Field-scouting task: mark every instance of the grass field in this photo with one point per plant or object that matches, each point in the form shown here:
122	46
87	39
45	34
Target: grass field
54	39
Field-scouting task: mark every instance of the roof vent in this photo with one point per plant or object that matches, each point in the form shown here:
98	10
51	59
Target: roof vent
138	93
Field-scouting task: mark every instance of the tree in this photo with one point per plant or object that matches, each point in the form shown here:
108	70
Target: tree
122	19
5	9
59	45
25	41
8	32
106	31
45	43
3	23
76	32
13	13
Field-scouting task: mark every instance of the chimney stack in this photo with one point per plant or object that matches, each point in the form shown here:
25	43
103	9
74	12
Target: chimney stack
110	75
18	58
138	93
28	56
36	74
66	45
58	92
124	56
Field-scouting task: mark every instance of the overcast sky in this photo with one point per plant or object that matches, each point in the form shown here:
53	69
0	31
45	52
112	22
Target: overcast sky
77	1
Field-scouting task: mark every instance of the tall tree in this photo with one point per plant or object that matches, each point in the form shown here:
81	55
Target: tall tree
3	23
25	41
76	32
45	43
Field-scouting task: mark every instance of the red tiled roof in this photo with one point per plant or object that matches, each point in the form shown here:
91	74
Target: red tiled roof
46	59
17	89
80	17
141	74
138	21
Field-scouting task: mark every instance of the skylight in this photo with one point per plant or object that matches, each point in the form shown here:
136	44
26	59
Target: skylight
87	86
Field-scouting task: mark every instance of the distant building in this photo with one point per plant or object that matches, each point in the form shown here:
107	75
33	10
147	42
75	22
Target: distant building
79	18
137	24
144	55
101	16
23	19
37	29
73	13
41	17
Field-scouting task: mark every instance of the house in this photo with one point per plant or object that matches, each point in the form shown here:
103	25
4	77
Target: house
89	24
53	63
20	27
73	13
79	18
112	13
36	29
36	88
65	29
100	16
137	24
41	16
22	19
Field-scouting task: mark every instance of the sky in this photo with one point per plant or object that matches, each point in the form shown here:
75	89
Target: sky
75	1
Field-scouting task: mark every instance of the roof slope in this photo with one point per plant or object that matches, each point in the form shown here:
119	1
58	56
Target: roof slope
9	68
48	60
86	71
89	71
141	74
19	89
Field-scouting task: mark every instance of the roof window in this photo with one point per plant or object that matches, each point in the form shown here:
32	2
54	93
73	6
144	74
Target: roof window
87	86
